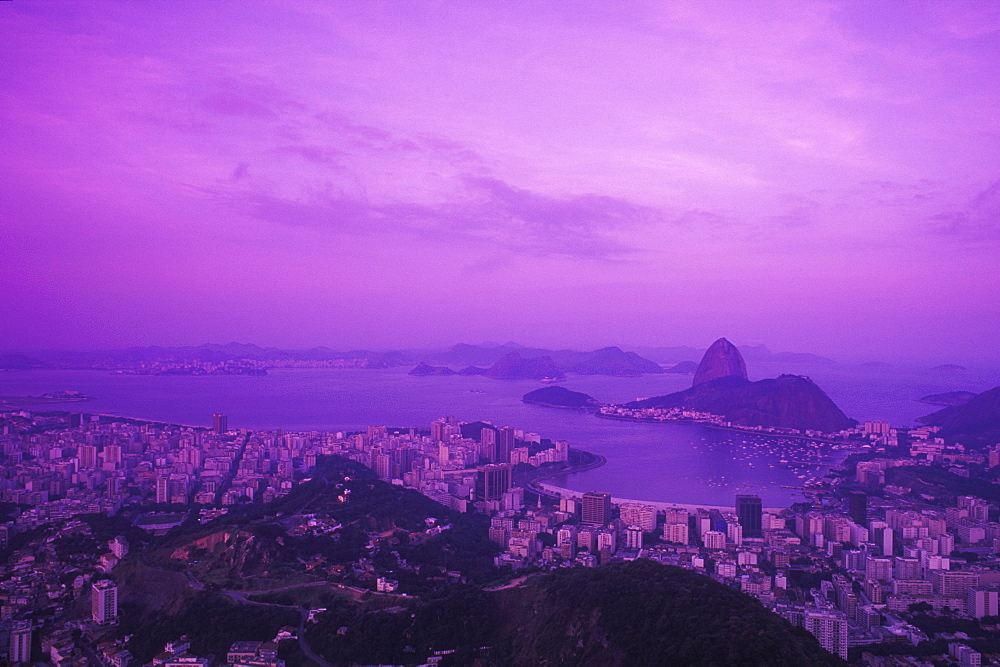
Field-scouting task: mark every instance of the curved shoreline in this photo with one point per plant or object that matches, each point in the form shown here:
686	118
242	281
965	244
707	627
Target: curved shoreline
534	482
719	427
562	492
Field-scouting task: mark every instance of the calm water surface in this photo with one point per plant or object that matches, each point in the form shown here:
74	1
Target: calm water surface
662	462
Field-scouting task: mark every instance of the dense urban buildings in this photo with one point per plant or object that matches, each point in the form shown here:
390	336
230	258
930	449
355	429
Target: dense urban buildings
856	564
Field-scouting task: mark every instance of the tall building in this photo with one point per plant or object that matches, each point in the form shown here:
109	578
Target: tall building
637	514
493	480
163	489
488	445
830	628
981	602
87	455
954	583
675	532
596	508
104	601
750	512
20	642
714	539
505	443
220	422
857	507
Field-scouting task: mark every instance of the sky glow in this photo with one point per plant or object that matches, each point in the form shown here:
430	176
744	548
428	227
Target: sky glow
817	176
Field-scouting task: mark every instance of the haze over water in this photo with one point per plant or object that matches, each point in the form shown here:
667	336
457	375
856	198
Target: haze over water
658	462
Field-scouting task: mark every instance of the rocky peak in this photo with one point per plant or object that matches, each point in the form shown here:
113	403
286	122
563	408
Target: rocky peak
722	359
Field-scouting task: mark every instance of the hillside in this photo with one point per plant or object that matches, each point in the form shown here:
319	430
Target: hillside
561	397
684	368
636	613
949	398
425	369
788	401
975	423
515	367
614	361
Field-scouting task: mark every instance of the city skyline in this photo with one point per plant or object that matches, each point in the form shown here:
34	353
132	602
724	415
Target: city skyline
819	177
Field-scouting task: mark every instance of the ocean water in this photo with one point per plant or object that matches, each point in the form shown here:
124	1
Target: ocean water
658	462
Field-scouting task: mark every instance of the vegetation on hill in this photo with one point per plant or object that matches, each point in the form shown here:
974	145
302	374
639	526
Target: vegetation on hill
561	397
942	484
976	423
788	401
637	613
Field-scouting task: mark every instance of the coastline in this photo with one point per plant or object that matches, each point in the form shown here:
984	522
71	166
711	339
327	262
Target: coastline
562	492
580	408
719	427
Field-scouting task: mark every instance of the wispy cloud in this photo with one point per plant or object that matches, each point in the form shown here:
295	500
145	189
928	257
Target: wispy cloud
978	221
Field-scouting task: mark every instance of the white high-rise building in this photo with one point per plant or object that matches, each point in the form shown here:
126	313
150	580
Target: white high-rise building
981	603
20	642
637	514
676	533
104	601
633	537
714	539
830	628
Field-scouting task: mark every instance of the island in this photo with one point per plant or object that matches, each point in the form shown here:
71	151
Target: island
423	369
60	396
949	398
561	397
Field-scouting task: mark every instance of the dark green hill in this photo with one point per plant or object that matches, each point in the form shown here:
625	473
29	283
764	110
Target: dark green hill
644	613
975	423
561	397
635	614
788	401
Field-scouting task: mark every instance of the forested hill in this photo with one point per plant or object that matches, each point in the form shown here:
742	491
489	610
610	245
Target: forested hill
625	614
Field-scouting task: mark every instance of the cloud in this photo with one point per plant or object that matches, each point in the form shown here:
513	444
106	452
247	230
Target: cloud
486	211
979	220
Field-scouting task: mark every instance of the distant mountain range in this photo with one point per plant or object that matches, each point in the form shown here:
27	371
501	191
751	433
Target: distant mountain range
207	353
605	361
525	363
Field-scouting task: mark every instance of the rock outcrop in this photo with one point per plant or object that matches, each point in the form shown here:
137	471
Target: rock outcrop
721	360
788	401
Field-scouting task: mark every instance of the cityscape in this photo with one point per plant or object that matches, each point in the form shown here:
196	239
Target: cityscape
499	334
870	559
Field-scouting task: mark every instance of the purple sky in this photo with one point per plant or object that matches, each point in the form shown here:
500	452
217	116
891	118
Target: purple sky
817	176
